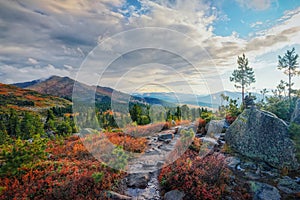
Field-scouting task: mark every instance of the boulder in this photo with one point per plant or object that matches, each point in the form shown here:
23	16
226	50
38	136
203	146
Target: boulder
216	126
138	180
174	195
261	135
232	162
288	185
296	114
165	136
207	146
263	191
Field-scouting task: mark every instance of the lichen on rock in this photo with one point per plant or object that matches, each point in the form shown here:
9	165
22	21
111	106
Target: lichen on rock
263	136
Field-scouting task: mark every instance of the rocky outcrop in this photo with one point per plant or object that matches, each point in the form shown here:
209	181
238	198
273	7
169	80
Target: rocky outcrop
263	191
261	135
296	114
174	195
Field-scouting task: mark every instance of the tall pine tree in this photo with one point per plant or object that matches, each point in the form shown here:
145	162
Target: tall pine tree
243	76
289	64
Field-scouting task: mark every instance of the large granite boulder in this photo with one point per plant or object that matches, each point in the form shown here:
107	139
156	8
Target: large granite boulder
261	135
296	114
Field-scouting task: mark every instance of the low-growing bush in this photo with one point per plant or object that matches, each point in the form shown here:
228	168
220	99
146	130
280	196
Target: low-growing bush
198	178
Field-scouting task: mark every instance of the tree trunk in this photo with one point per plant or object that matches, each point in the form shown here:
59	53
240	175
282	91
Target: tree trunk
243	96
290	77
290	90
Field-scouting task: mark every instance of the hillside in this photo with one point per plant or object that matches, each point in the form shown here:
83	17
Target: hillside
24	99
63	87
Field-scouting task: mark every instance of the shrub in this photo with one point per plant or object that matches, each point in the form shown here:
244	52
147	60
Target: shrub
294	130
97	176
22	153
198	178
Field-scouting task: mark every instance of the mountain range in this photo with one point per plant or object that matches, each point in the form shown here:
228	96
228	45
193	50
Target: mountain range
63	87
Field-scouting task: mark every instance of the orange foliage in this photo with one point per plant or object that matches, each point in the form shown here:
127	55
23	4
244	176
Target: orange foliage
34	98
128	142
67	174
199	178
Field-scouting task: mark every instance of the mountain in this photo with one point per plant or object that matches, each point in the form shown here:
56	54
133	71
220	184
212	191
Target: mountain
210	100
24	99
63	87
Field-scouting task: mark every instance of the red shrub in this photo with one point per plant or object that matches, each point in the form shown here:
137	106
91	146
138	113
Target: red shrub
199	178
66	175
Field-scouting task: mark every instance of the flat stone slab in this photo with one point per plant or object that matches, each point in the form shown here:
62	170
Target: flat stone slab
165	136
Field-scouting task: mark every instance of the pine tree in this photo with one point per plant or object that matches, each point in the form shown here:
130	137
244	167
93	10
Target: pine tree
243	76
289	64
27	127
13	124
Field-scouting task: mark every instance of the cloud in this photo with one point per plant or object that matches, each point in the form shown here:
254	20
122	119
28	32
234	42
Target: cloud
257	4
57	36
14	74
256	24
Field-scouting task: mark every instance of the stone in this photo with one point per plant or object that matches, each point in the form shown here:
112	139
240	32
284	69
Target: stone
296	114
288	185
174	195
138	180
215	126
116	196
262	136
165	136
207	146
252	176
263	191
249	165
232	162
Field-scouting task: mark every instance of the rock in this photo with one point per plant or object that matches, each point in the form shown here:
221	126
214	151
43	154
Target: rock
261	135
215	126
296	114
117	196
165	136
138	180
288	185
232	162
263	191
174	195
167	141
249	165
207	146
160	163
252	176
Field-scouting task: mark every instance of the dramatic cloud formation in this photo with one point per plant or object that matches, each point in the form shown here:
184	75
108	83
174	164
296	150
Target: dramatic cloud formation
39	39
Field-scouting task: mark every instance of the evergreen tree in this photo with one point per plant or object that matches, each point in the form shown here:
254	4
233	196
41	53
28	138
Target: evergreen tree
289	64
4	137
243	76
27	127
13	124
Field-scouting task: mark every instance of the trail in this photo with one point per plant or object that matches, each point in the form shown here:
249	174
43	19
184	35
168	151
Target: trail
142	181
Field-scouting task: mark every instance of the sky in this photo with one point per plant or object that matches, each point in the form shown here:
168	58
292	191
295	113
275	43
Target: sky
147	46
